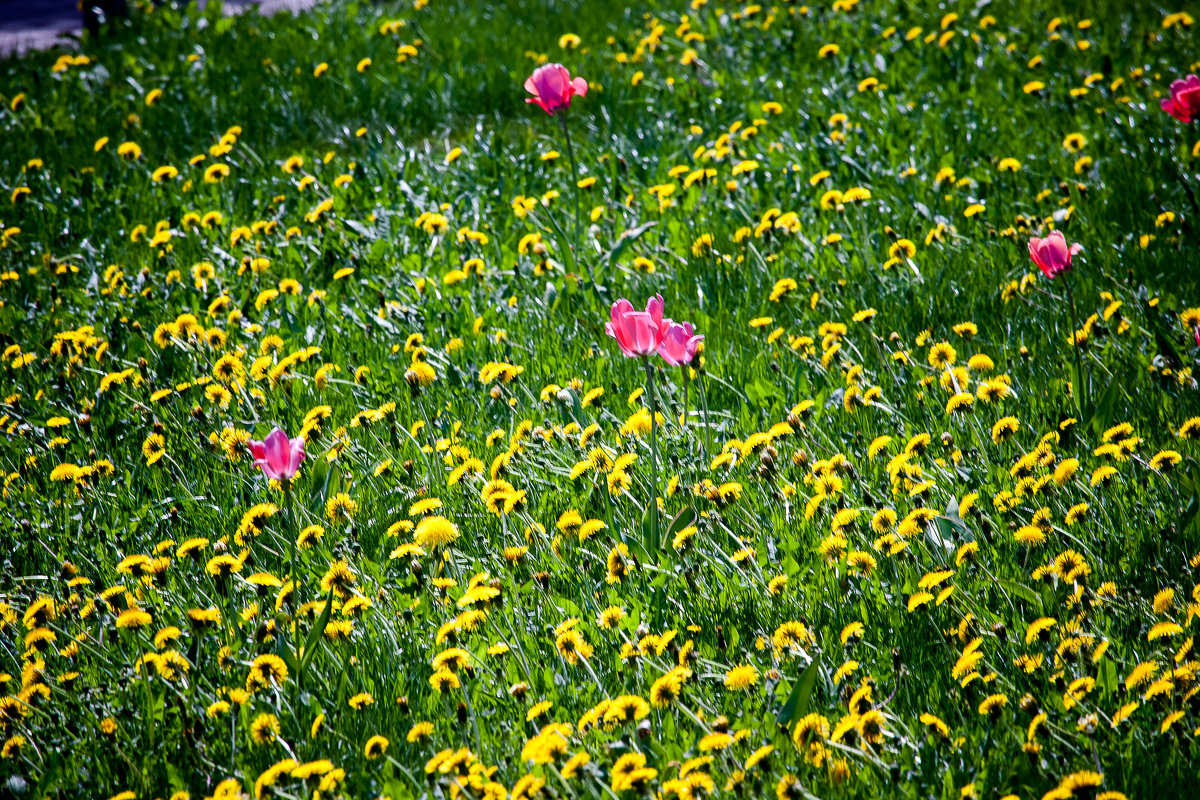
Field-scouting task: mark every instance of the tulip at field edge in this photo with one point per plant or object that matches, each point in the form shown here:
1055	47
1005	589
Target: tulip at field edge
1183	103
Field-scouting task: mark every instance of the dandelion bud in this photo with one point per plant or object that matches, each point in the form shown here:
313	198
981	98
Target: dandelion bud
799	458
769	454
462	713
947	440
402	704
496	392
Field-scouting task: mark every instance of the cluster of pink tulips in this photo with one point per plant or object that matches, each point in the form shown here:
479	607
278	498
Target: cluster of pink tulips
647	333
643	334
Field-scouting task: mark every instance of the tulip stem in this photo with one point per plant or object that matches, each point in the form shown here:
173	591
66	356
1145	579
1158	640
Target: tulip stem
700	384
1084	381
562	119
683	371
653	457
292	534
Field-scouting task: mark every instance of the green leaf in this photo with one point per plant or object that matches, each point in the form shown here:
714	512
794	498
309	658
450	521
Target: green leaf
327	481
1108	676
683	519
314	635
797	703
650	532
1022	591
941	532
1077	389
285	652
577	409
625	239
1102	415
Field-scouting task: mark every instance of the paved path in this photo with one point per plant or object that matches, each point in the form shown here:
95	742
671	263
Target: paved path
38	24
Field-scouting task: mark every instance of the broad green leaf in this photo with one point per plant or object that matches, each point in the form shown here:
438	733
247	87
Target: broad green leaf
314	635
798	701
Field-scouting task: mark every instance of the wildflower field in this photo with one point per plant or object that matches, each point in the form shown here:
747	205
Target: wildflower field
792	401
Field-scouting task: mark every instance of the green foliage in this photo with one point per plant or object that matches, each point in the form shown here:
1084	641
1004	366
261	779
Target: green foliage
924	530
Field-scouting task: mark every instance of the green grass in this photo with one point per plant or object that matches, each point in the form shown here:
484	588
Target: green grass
99	359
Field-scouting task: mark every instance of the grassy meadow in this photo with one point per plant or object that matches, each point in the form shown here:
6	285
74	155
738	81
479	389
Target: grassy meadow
917	521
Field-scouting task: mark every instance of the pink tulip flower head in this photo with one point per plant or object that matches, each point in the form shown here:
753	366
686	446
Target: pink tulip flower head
278	456
1052	255
552	87
680	344
639	333
1184	101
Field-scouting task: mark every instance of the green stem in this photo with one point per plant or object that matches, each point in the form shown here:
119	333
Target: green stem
562	118
683	371
293	535
474	723
653	457
700	384
1084	381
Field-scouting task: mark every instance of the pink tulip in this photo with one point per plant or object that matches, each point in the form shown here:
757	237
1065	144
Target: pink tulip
1052	255
1184	101
680	344
278	457
552	87
639	333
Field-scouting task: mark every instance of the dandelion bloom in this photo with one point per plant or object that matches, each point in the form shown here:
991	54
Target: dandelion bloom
278	456
639	333
1052	254
679	344
1184	101
552	87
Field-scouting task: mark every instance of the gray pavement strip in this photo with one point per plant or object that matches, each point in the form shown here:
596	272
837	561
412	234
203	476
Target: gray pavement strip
27	25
